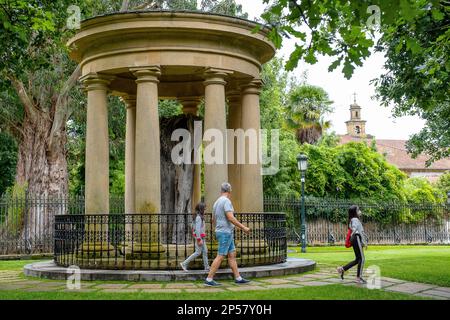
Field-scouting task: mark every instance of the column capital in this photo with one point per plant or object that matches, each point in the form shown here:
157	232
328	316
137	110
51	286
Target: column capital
189	100
216	76
147	74
96	81
190	104
252	87
234	97
129	100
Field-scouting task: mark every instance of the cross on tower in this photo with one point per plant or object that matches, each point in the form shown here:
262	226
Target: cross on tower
355	94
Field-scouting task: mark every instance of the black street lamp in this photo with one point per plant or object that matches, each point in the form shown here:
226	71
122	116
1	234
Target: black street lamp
302	161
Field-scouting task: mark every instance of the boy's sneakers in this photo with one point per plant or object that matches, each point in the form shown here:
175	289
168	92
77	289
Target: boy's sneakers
183	267
211	283
241	281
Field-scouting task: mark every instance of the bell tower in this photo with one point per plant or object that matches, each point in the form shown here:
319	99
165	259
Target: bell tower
356	127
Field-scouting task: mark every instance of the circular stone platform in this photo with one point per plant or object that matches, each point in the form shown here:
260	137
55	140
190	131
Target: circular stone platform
49	270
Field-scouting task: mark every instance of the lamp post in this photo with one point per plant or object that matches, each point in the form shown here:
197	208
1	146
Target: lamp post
302	161
448	223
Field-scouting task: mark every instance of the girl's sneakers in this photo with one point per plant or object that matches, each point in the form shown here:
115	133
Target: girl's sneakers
361	281
183	267
341	272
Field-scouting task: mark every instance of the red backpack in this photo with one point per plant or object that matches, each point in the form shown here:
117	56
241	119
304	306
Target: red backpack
348	243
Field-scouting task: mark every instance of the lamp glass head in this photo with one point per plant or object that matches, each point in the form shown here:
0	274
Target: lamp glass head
302	161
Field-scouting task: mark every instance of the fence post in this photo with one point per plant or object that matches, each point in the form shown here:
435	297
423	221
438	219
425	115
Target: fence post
425	224
26	223
394	227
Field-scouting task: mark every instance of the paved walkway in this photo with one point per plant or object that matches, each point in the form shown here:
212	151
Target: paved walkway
13	280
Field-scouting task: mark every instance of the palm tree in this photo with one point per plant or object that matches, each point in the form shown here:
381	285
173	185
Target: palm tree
305	113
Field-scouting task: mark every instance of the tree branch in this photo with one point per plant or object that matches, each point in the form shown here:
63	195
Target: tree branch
62	111
24	97
302	14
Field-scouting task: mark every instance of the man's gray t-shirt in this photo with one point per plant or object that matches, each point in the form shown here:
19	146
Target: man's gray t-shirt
222	206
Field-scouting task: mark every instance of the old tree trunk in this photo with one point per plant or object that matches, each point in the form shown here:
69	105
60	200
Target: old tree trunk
42	163
176	181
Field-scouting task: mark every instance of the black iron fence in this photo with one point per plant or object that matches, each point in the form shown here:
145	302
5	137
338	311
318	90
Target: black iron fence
26	223
384	222
160	241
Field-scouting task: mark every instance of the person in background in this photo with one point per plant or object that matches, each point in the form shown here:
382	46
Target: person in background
358	240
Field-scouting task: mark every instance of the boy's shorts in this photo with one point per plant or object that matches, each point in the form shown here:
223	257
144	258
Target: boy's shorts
226	243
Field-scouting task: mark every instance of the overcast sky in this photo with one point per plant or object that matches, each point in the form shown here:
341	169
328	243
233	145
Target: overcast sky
380	123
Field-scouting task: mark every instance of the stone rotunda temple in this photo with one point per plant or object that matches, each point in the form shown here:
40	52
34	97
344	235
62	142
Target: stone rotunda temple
143	57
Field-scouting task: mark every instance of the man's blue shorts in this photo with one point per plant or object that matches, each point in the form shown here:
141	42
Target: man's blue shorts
226	243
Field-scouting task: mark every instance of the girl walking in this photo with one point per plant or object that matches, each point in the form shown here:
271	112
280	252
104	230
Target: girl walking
199	233
358	240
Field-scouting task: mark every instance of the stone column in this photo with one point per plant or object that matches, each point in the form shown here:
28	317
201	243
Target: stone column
250	174
96	163
234	123
251	178
147	162
215	118
97	144
130	149
190	106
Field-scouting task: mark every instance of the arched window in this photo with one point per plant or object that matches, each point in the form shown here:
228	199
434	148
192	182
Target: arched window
358	130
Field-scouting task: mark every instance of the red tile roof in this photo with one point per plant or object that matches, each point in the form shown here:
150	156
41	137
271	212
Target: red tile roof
396	154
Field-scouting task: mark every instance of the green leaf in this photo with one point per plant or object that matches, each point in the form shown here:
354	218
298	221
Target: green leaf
334	65
412	45
437	15
348	69
407	10
311	57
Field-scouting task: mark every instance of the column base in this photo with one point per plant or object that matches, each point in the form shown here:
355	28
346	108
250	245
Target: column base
145	251
96	250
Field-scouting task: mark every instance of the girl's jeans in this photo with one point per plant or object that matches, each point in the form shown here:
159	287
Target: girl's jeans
198	251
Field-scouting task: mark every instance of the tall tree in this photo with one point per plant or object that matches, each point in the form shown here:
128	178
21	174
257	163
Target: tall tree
414	35
418	75
37	78
305	112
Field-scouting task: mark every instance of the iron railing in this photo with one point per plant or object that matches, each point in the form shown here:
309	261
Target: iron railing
160	241
26	223
384	222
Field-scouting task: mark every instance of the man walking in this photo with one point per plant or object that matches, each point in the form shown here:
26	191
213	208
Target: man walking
223	213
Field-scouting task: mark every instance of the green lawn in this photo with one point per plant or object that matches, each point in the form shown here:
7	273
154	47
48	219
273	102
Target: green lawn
331	292
15	265
427	264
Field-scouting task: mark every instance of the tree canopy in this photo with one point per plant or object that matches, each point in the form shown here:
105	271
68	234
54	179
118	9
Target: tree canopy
8	159
414	35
